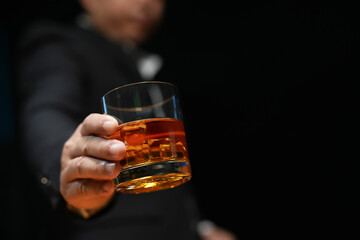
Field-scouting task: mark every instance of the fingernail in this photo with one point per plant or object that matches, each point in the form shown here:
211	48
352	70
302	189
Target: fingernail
108	186
205	227
109	167
108	125
116	148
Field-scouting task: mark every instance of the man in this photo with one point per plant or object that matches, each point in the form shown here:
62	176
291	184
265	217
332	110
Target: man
63	73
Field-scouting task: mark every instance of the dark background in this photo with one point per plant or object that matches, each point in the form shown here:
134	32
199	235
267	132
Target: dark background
268	91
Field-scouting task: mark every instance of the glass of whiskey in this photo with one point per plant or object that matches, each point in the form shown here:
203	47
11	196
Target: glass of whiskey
151	126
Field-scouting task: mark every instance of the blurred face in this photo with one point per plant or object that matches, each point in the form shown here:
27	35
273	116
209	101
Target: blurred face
125	20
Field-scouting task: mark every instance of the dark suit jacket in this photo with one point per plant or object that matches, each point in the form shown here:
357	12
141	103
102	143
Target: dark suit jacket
63	73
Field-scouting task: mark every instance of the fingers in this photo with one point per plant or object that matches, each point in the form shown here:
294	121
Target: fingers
85	141
89	163
99	124
90	168
99	148
87	189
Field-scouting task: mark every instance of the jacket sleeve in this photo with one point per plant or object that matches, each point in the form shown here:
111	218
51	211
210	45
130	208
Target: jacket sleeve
50	105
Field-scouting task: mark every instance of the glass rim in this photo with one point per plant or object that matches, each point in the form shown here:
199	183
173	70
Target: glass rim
138	83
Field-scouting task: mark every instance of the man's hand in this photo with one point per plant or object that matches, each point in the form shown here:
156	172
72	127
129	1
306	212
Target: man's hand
89	163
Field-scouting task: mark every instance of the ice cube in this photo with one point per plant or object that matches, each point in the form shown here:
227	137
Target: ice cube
133	153
145	153
180	150
166	150
160	148
134	133
155	153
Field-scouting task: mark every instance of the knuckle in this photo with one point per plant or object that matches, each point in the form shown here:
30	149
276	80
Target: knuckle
67	146
85	125
80	129
80	165
92	115
82	188
89	119
85	146
106	145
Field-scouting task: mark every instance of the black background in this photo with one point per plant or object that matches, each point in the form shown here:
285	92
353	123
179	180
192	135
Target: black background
268	93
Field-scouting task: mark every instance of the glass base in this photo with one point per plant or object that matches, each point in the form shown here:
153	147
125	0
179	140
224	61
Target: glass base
153	177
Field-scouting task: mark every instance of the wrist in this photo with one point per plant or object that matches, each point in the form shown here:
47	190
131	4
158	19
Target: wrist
86	213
